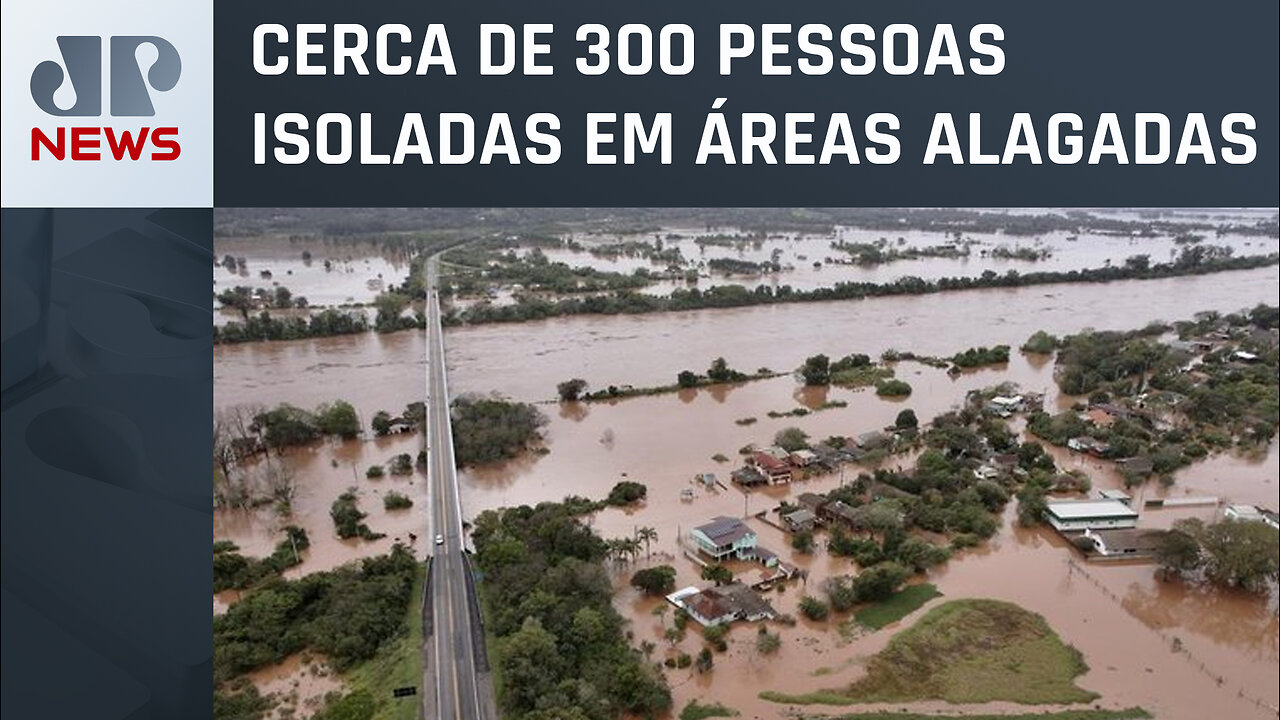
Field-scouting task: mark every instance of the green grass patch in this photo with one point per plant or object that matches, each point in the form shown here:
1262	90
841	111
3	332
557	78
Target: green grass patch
967	651
397	664
899	605
863	376
697	711
1133	713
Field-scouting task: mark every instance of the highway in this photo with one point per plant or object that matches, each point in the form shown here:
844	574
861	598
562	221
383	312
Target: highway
450	667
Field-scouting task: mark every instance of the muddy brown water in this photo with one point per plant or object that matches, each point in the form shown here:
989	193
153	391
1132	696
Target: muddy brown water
809	261
300	683
356	274
527	360
1120	616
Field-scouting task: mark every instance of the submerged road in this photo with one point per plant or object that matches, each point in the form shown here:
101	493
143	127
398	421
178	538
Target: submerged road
451	668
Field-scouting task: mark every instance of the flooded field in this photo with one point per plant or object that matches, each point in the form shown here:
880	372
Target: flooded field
1123	619
325	274
810	261
321	473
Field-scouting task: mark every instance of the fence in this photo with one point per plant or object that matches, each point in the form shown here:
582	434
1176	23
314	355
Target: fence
1175	644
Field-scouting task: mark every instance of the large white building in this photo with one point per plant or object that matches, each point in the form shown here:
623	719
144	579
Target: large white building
1076	515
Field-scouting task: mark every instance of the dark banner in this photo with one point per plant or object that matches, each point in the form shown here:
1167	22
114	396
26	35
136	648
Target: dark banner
823	103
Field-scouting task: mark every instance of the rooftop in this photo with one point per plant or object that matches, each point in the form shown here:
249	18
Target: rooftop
1080	509
725	530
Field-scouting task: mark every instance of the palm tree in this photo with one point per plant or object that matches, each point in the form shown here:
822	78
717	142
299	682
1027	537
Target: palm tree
646	535
630	547
613	550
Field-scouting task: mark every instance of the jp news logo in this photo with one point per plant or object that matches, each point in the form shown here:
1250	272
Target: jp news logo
130	91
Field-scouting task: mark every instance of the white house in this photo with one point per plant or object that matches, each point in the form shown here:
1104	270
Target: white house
1076	515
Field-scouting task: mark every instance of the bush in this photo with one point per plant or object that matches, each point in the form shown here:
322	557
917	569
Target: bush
374	472
813	608
906	420
1040	342
626	492
571	390
347	518
395	501
893	387
402	464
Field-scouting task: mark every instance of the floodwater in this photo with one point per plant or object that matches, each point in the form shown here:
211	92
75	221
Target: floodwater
809	261
356	272
321	473
527	360
300	683
595	445
372	371
1121	617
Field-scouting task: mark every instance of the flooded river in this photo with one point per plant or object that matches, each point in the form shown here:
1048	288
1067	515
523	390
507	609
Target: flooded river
1121	617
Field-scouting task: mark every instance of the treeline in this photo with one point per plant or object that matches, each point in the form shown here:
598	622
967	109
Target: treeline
561	648
344	614
264	326
727	296
373	223
480	264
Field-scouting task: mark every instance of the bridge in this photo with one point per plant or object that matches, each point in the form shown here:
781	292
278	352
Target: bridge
455	667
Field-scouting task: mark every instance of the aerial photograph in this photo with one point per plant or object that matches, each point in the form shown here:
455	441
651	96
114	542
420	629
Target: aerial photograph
757	463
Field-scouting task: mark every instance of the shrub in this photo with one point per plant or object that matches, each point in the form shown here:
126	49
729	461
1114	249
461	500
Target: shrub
395	501
813	608
893	387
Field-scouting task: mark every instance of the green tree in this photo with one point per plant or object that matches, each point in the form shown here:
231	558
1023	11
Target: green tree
920	554
658	580
816	370
1238	553
338	418
381	423
906	420
571	390
879	582
687	379
705	661
791	439
717	573
1032	506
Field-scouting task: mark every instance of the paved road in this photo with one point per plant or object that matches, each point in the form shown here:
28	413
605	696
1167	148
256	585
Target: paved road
451	658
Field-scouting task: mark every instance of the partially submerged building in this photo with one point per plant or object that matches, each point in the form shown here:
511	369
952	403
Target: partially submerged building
1252	513
722	605
724	538
1078	515
1126	543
